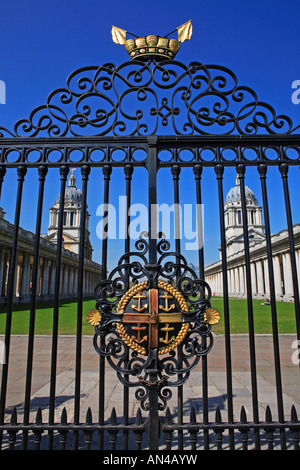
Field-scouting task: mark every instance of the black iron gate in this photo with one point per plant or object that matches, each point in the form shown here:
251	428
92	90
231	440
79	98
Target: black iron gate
149	109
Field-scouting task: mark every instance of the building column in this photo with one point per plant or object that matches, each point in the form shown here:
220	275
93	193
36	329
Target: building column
25	278
221	284
232	282
229	281
6	272
288	278
52	279
71	283
218	284
260	278
89	282
266	275
213	282
45	279
253	279
84	283
298	265
2	269
242	282
38	278
236	280
16	279
277	277
62	274
66	281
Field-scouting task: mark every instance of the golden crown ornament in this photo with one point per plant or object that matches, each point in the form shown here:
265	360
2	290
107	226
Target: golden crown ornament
147	47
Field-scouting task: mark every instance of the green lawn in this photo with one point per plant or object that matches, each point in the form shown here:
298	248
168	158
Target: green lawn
238	316
68	317
67	324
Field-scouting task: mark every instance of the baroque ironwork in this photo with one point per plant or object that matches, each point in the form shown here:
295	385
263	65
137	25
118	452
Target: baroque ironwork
144	312
150	113
140	98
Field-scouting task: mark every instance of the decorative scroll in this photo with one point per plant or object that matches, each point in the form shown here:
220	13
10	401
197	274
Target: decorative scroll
153	320
138	99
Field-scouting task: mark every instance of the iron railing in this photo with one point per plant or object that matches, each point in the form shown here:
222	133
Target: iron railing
144	147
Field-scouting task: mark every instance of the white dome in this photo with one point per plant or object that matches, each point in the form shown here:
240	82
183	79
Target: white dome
234	195
72	193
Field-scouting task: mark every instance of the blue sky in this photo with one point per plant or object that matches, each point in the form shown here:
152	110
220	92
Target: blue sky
42	42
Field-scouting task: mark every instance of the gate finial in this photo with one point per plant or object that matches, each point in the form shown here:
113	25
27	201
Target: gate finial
152	46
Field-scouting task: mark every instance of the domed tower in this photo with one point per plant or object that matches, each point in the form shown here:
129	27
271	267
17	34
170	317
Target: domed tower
234	219
71	220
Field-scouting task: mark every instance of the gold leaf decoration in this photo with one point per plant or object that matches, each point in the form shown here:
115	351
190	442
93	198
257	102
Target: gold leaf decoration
212	316
118	35
94	317
185	31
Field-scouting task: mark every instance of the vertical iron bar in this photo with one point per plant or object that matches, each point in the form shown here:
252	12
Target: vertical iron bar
85	171
244	431
219	169
262	169
283	168
168	434
107	170
198	172
2	174
21	171
88	434
128	169
42	175
241	174
193	434
175	169
151	164
138	434
63	177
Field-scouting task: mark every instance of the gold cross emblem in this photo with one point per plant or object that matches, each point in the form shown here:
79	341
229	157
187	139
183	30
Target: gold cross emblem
151	326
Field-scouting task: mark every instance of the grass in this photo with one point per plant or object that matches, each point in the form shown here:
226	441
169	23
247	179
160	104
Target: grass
67	323
262	319
68	317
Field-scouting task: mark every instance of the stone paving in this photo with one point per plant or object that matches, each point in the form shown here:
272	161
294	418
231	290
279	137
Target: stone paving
217	390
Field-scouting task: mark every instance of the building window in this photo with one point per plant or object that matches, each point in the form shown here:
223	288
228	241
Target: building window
71	218
65	218
239	217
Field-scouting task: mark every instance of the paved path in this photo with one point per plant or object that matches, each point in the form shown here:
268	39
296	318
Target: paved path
193	388
217	390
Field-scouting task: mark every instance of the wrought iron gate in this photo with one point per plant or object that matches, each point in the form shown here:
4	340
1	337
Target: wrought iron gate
150	108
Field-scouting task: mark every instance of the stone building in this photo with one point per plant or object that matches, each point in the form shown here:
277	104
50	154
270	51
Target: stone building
47	254
236	270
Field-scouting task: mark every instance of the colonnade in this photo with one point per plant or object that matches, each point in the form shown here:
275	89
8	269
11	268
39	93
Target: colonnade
46	276
259	269
22	288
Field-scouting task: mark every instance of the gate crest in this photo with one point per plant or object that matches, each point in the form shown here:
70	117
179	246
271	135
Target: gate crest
149	95
144	312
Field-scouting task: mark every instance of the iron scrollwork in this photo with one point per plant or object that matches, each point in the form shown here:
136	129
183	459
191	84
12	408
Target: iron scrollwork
140	99
153	322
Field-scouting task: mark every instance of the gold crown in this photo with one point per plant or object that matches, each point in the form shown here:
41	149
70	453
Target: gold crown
144	48
149	46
